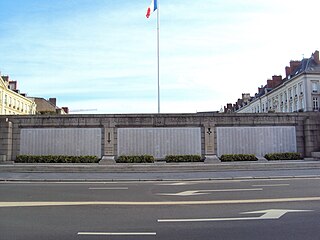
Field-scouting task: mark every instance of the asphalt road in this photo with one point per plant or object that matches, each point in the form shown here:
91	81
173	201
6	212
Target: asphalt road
286	208
211	175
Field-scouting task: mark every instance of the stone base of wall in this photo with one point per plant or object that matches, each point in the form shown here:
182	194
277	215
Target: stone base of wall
211	159
3	158
315	155
107	160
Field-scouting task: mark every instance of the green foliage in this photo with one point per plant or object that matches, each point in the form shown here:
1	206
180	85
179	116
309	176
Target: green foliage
183	158
238	157
56	159
283	156
135	159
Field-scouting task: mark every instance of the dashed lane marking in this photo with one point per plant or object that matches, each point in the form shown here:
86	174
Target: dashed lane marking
108	188
271	185
118	233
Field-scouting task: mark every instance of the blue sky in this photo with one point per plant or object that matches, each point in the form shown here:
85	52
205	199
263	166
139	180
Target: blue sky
101	54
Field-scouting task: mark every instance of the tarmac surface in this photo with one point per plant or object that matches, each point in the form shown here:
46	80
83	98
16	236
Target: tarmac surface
160	171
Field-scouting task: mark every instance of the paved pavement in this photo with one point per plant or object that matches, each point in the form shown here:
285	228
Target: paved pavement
159	171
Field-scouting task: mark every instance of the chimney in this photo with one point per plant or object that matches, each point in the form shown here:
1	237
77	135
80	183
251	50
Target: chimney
316	56
294	65
5	78
53	101
277	80
269	84
288	71
261	89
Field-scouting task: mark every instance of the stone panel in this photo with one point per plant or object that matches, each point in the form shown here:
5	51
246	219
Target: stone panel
61	141
159	142
256	140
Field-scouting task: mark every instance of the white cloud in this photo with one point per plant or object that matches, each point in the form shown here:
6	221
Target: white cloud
210	52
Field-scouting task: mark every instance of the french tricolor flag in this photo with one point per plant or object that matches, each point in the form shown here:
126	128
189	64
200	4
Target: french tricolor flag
153	6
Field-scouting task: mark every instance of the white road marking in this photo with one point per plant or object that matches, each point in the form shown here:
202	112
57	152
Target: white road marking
178	184
202	192
108	188
118	233
268	214
271	185
119	203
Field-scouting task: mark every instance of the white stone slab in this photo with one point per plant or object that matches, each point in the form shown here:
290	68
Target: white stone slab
159	142
256	140
61	141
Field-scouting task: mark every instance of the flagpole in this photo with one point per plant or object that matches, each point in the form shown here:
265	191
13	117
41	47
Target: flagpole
158	56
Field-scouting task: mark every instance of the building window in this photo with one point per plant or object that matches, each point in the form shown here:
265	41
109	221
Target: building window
295	91
300	88
290	93
285	97
314	86
315	103
302	104
269	104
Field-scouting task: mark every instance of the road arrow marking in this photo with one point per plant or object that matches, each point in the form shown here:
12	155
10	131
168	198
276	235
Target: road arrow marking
275	213
203	192
268	214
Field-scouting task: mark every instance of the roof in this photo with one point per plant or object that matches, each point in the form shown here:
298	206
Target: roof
44	105
307	65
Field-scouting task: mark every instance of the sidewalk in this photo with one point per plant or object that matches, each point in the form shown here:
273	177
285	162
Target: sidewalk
159	171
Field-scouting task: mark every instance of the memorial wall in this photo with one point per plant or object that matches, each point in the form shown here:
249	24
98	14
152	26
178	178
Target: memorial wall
205	134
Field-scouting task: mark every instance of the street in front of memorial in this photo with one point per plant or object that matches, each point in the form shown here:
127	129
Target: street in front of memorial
273	208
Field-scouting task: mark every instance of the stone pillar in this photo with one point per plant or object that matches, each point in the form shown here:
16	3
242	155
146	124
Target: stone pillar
210	153
311	136
5	141
109	147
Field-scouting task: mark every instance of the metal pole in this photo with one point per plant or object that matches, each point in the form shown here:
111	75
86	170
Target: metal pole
158	56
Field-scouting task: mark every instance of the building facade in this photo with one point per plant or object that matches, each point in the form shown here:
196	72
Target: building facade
298	92
12	102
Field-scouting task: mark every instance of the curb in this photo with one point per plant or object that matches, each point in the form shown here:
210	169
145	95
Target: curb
156	180
161	168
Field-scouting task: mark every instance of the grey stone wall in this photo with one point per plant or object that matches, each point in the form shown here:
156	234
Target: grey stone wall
312	134
307	126
5	140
